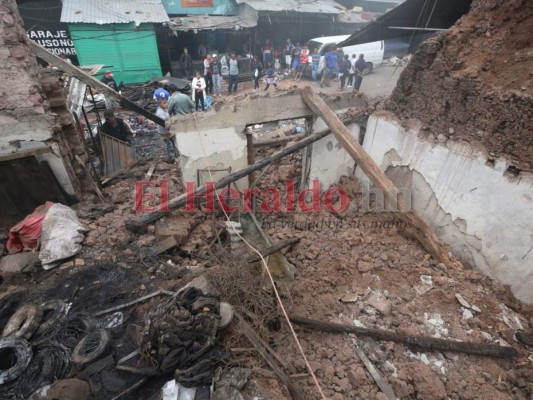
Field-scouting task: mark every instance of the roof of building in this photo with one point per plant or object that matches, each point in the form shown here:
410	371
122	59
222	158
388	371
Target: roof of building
411	16
247	18
302	6
113	11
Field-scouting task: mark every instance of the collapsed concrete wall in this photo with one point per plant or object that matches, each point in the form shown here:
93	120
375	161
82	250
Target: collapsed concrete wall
326	159
483	213
221	150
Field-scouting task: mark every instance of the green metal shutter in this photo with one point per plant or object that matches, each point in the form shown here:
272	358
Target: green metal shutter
130	51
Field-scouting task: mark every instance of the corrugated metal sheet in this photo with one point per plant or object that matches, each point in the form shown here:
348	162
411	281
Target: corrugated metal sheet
76	89
302	6
130	53
117	154
247	18
113	11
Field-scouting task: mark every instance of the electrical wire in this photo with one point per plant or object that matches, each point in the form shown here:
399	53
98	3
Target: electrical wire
278	298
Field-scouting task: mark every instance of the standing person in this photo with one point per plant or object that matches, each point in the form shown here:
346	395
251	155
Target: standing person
271	77
116	127
168	138
198	90
208	75
267	52
287	52
340	58
202	51
345	67
304	59
216	71
109	80
315	62
296	58
233	74
352	71
256	68
330	60
180	104
360	66
186	63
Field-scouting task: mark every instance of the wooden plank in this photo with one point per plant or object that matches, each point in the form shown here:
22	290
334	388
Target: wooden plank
422	231
419	342
95	186
151	170
120	172
252	336
378	378
78	73
272	249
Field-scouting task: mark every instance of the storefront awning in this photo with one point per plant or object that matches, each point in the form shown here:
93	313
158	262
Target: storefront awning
411	16
300	6
247	18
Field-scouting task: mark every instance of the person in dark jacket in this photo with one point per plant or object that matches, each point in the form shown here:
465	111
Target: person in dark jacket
360	66
256	67
109	80
345	67
216	70
186	63
116	127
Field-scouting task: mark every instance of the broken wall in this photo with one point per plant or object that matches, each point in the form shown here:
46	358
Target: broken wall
33	113
483	213
326	159
23	113
222	150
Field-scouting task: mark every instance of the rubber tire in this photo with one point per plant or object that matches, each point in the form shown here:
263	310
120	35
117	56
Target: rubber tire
59	312
24	323
23	355
104	342
368	69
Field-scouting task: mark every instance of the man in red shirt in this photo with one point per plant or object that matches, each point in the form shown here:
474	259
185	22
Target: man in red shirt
304	59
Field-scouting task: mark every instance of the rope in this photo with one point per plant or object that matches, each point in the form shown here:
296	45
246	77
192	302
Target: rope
278	298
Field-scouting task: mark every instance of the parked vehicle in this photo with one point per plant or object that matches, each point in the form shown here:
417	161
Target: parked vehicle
373	51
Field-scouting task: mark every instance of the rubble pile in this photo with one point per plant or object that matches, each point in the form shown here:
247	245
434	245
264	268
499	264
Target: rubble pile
479	67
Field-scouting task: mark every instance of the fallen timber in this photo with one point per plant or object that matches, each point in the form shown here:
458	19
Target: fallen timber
421	342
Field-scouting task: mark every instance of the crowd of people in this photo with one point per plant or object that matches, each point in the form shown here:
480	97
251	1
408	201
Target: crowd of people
294	62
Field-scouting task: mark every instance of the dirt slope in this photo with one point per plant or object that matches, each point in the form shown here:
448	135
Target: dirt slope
474	82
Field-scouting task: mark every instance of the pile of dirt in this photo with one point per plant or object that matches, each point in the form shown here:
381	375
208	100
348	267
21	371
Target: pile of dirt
474	82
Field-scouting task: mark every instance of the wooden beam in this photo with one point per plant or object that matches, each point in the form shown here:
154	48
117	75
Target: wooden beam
77	73
181	200
261	347
122	171
272	249
382	383
422	231
421	342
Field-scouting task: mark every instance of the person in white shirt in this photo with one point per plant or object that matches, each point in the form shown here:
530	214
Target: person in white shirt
352	71
198	90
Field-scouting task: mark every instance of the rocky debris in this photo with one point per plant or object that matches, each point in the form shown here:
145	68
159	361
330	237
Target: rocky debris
235	377
26	262
479	83
379	301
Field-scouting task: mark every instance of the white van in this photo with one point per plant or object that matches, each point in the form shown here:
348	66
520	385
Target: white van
373	51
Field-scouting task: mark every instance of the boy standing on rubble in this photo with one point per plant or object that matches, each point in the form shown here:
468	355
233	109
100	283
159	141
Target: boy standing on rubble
271	77
168	138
